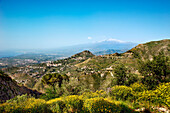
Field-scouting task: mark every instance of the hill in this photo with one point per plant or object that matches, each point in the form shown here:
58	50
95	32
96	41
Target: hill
148	50
89	77
87	67
9	88
129	58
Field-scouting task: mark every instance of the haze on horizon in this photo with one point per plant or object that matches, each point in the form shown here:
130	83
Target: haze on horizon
32	24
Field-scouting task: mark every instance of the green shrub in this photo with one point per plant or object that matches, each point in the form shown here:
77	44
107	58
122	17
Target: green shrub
121	92
57	105
154	71
138	87
88	95
101	105
159	96
73	103
25	104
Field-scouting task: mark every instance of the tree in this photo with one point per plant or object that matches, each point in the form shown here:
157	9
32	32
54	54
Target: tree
155	71
123	77
52	79
120	74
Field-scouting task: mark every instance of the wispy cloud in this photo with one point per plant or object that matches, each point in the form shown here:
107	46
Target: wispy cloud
114	40
89	38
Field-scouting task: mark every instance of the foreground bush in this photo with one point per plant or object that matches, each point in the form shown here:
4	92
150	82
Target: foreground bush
24	104
121	93
159	96
73	103
138	87
57	105
101	105
88	95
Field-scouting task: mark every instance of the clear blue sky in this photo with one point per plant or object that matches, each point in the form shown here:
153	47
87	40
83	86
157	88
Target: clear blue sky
26	24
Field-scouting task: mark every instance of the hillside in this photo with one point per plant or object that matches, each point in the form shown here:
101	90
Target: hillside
87	67
148	50
84	77
9	88
129	58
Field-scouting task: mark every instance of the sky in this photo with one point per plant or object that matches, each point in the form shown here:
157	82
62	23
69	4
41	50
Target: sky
38	24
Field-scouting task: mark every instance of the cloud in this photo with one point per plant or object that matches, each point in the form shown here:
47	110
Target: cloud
89	38
114	40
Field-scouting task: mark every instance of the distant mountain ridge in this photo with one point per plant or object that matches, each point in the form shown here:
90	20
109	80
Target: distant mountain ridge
67	51
109	51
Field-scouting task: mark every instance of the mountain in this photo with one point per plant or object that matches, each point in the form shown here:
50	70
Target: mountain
109	51
25	57
84	65
110	44
129	58
70	50
9	88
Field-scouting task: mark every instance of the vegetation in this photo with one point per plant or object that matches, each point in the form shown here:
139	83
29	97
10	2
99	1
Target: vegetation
120	99
155	71
84	83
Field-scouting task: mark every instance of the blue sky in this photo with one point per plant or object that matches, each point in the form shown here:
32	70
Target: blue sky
34	24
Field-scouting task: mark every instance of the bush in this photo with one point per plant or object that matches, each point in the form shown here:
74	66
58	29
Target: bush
73	103
101	105
138	87
57	105
120	74
121	92
88	95
159	96
155	71
24	104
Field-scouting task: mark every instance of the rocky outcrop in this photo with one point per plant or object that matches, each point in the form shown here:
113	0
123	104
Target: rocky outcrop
9	88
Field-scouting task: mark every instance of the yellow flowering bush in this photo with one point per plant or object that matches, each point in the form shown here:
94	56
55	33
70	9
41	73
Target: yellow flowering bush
138	87
35	105
73	103
102	105
57	105
88	95
159	96
121	92
19	105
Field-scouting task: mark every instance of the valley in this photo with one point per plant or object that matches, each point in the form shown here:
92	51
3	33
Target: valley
86	72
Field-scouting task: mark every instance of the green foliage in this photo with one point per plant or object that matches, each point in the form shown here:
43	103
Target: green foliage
25	104
155	71
104	105
120	74
50	93
52	79
123	77
159	96
57	105
88	95
138	87
132	78
73	87
73	103
121	92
